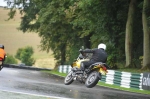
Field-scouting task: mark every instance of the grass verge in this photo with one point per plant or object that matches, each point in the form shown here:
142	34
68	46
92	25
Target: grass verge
106	85
124	89
55	73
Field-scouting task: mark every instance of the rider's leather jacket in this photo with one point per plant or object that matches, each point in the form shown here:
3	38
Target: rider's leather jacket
99	55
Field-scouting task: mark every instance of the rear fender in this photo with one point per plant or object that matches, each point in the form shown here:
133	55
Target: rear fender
98	72
102	71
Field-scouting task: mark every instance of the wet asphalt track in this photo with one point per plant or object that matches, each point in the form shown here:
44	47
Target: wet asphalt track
30	84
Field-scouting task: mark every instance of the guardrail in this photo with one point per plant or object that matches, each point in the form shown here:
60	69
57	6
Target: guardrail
122	79
64	68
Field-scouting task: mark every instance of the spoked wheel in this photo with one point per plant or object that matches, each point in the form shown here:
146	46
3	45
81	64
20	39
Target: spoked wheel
68	79
92	80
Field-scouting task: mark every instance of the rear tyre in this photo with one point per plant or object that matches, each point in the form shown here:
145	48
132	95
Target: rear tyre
92	80
68	79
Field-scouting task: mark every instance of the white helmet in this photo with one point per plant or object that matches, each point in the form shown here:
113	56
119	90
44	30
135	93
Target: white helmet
103	46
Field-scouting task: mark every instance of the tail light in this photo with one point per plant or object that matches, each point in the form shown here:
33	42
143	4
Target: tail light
104	68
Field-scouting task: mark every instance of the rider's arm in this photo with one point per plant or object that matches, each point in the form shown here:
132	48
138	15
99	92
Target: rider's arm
88	51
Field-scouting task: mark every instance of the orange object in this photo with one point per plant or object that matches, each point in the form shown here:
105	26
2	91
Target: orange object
2	53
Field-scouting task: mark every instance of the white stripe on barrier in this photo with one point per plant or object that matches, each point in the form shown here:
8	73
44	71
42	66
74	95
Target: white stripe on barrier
60	68
126	74
65	69
110	77
141	81
125	79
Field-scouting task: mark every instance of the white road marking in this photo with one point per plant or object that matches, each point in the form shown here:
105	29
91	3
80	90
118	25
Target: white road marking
36	94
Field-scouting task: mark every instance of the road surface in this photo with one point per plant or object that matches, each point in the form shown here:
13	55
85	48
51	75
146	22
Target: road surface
31	84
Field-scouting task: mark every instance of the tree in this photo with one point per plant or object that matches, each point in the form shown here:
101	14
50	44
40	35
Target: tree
146	31
65	25
129	33
10	59
24	54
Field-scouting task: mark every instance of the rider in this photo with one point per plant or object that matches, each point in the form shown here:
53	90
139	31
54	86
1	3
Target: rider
99	55
2	54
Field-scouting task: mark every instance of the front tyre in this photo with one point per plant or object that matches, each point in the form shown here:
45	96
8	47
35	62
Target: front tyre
92	80
68	79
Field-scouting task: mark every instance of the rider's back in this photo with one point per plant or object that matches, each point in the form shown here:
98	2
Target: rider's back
2	53
99	55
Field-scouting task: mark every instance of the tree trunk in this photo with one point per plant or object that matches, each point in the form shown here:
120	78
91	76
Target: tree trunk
62	57
129	32
146	31
63	54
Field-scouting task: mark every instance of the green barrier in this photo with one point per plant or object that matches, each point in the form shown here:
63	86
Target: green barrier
123	79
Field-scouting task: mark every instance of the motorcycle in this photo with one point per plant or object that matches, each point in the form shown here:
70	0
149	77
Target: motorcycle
1	63
91	75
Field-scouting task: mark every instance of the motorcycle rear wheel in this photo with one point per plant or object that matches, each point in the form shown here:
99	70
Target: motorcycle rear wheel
68	79
92	80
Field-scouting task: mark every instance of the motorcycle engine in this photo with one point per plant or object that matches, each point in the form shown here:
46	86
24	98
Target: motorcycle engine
81	78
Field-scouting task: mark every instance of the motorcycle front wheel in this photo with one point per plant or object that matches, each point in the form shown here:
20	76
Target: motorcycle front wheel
68	79
92	79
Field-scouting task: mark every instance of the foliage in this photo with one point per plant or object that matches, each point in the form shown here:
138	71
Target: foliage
24	54
10	59
66	25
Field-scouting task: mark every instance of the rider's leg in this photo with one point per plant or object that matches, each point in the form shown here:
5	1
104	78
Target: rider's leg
85	64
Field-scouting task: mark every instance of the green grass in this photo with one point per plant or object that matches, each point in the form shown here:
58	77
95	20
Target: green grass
106	85
124	89
56	73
